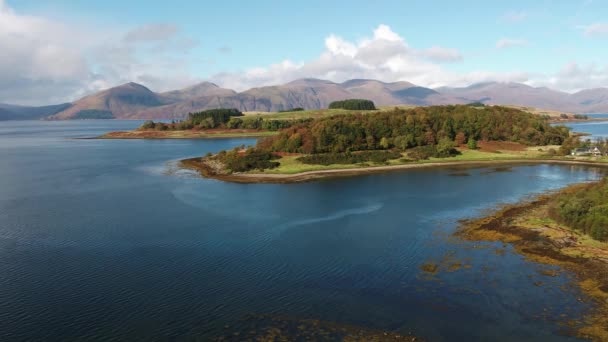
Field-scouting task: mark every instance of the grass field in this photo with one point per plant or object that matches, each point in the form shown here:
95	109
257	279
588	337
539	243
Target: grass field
290	164
318	113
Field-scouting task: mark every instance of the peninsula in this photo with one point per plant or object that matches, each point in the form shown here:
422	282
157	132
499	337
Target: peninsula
397	139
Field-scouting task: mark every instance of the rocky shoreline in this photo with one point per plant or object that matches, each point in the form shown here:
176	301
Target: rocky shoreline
552	245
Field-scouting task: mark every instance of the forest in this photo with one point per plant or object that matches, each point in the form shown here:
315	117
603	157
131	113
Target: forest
408	128
585	209
353	104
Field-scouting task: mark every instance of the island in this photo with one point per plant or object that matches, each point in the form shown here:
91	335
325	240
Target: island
232	123
397	139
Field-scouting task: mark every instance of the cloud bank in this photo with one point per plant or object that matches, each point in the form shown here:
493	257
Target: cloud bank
384	56
45	61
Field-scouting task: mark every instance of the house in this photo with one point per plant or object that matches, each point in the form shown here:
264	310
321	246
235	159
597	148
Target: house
587	151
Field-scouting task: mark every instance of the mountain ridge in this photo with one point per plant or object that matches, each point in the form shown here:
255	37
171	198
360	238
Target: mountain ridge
135	101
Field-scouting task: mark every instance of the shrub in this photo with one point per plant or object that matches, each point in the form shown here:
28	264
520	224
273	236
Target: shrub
250	160
472	144
297	109
443	150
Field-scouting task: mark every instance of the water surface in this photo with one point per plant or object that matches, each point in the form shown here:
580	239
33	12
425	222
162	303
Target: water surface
103	240
597	129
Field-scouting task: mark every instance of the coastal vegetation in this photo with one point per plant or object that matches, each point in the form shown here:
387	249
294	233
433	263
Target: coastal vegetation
251	159
227	119
556	229
585	210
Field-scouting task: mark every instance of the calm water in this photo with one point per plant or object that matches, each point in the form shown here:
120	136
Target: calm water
103	240
597	129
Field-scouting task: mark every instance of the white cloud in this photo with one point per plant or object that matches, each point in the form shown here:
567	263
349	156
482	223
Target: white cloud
45	61
385	56
513	16
574	77
596	30
506	43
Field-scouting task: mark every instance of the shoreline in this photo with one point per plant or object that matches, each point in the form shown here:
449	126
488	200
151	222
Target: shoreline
187	134
527	227
557	121
276	178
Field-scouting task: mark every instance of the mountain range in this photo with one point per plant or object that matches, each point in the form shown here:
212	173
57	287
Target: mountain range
135	101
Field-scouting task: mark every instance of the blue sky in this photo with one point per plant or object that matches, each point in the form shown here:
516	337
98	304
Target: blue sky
241	44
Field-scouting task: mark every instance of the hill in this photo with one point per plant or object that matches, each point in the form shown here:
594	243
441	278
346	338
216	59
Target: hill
13	112
122	102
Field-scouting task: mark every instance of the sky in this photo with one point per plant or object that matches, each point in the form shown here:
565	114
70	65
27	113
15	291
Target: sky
55	51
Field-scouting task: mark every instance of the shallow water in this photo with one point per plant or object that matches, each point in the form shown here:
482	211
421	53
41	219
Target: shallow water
104	240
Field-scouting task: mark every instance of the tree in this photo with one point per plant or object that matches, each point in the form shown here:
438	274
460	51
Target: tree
446	148
149	124
472	144
384	143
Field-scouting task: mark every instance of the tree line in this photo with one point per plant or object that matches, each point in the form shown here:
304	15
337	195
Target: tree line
353	104
223	119
407	128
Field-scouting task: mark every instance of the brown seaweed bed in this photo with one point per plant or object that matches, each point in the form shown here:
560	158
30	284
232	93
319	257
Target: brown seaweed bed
275	328
521	225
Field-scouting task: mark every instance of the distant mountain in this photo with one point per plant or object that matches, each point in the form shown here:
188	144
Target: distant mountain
307	93
13	112
596	100
134	101
197	90
586	101
122	102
